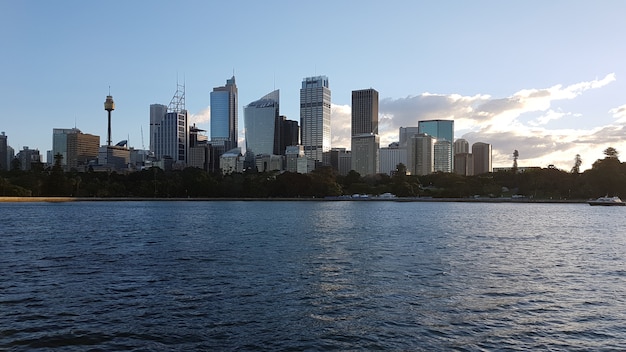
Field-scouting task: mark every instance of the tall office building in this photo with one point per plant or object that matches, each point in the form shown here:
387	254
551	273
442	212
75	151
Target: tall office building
364	141
461	146
463	161
441	130
389	158
169	129
261	119
289	134
443	155
4	155
420	154
27	157
77	149
224	114
405	133
59	144
481	153
315	117
81	149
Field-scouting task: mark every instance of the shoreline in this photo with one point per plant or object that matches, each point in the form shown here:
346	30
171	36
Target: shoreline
328	199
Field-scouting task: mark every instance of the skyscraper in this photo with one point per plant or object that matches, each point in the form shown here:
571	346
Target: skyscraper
169	129
461	146
443	155
76	148
364	136
405	133
261	118
224	114
481	153
4	155
420	154
315	117
463	161
441	130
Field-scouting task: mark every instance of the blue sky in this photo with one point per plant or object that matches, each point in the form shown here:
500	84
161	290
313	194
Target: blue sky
543	77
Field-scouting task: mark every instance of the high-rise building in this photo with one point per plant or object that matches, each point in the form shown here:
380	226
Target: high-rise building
289	134
464	164
169	129
261	119
443	155
420	154
482	158
27	157
77	149
364	131
390	158
461	146
405	133
315	117
463	161
59	144
440	130
224	114
81	149
4	155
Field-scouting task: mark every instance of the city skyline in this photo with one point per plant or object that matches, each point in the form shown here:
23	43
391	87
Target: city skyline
520	76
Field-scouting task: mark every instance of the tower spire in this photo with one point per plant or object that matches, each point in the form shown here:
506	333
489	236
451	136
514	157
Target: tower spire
109	106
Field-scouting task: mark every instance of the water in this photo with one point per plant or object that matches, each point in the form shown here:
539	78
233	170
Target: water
146	276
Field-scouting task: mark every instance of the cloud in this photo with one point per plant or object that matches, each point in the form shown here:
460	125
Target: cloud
204	116
619	113
515	122
340	125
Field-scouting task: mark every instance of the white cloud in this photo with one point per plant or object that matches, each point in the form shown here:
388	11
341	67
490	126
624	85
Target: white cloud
619	113
204	116
502	123
340	125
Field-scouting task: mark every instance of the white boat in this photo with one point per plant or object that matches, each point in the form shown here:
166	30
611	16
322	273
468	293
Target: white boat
607	201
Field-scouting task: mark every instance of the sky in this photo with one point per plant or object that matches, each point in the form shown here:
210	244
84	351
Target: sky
546	78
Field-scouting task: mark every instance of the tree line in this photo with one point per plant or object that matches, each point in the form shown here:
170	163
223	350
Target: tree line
606	177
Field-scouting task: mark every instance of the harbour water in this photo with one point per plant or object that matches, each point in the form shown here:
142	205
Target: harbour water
288	275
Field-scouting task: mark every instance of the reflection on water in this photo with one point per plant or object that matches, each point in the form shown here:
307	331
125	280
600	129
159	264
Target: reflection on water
311	275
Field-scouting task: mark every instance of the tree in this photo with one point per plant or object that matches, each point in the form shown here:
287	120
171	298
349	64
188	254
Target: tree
611	152
577	162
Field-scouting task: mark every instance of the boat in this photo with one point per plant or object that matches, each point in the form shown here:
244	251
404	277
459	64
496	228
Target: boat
607	201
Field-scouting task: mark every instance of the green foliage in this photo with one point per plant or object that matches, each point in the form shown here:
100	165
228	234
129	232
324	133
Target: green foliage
607	176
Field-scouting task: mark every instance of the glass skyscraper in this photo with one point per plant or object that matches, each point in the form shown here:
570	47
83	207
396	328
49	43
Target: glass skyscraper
315	117
261	118
224	114
441	130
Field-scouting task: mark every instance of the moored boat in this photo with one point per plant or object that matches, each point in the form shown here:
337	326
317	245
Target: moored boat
607	201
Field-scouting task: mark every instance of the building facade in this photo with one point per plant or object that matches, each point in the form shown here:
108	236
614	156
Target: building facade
315	131
5	163
364	131
443	155
461	146
261	119
82	148
482	158
405	133
390	157
169	133
224	114
27	157
440	130
420	154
